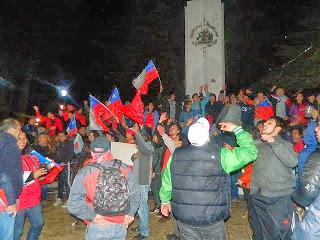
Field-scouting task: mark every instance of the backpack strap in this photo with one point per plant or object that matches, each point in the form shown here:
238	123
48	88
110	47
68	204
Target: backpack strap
97	165
117	163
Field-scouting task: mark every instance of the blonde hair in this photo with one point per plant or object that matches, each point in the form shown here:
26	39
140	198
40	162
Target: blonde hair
49	141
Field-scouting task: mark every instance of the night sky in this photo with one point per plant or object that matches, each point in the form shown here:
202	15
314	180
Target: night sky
96	44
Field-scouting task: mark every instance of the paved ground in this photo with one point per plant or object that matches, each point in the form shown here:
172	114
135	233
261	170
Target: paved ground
58	225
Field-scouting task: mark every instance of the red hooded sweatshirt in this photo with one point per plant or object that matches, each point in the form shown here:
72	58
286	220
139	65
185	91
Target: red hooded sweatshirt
31	192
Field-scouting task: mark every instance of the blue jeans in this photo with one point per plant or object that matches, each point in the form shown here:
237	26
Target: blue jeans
6	226
106	232
234	188
143	211
34	215
215	231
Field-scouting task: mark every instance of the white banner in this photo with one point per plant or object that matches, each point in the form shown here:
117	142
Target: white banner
123	151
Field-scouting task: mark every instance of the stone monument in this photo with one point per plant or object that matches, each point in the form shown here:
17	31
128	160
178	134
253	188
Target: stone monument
204	45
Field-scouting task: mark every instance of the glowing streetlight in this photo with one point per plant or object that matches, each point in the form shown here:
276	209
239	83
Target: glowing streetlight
63	92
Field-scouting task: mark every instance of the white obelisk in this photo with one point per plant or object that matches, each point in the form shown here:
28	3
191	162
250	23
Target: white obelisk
204	45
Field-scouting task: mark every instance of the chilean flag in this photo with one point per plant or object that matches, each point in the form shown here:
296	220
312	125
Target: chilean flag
115	104
134	110
98	113
142	82
43	159
78	144
72	127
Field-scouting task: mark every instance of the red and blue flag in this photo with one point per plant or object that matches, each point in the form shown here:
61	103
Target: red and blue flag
98	114
115	104
78	144
72	127
149	74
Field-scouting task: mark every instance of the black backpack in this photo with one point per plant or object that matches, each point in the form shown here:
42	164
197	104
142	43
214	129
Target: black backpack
111	196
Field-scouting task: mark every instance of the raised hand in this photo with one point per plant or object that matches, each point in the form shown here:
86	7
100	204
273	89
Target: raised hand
224	87
206	88
227	126
136	128
161	130
36	108
163	117
161	88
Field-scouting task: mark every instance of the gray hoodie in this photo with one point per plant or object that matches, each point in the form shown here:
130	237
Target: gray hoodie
272	172
142	167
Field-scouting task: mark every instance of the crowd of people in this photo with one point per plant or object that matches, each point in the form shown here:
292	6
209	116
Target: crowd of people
191	158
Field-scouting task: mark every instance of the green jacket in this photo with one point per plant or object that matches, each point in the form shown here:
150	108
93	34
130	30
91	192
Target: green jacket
231	160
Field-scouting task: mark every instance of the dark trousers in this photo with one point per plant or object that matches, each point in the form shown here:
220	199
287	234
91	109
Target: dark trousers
63	183
155	189
214	231
252	216
274	214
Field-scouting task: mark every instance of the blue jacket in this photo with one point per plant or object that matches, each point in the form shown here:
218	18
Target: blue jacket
10	165
200	106
311	144
307	195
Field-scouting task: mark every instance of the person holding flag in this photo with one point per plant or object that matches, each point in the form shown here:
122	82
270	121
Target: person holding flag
29	202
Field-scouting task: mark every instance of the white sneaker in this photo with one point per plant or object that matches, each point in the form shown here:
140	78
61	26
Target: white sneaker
57	202
65	205
74	223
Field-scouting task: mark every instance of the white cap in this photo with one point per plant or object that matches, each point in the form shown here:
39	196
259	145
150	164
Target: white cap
198	133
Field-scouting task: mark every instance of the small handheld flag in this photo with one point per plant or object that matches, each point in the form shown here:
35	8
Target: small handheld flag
149	74
98	113
42	159
78	144
72	127
115	104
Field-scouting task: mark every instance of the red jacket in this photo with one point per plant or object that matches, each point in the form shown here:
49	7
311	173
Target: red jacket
299	146
245	178
81	118
48	123
31	192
